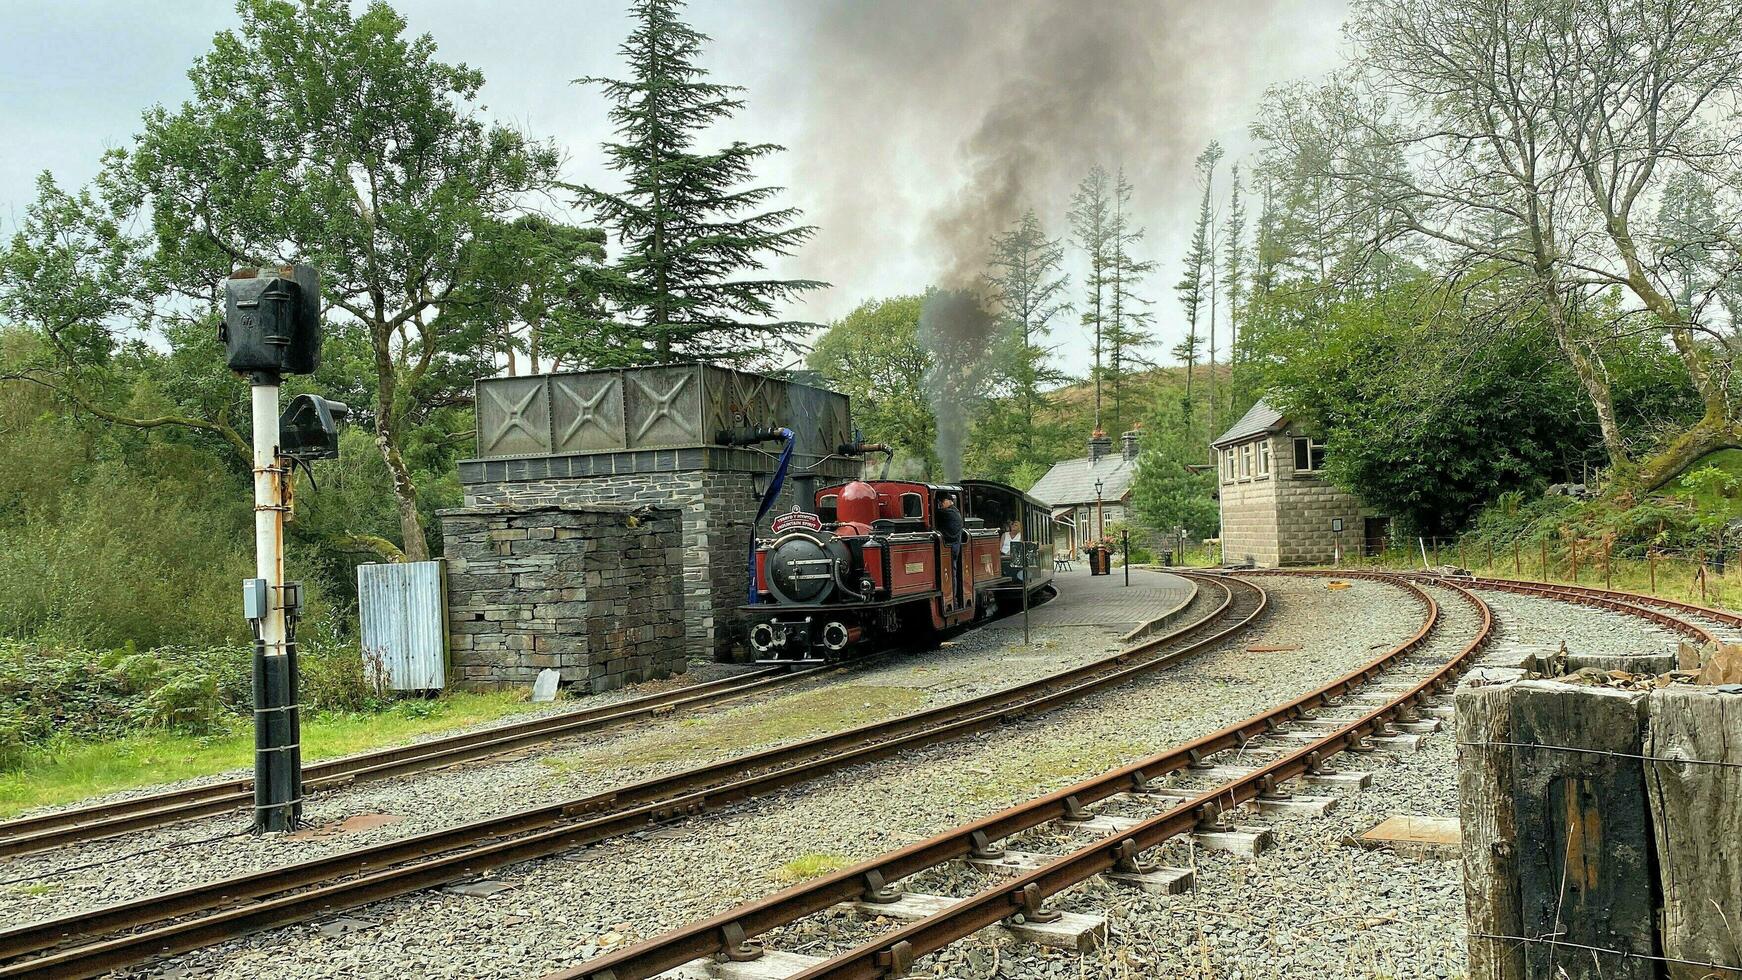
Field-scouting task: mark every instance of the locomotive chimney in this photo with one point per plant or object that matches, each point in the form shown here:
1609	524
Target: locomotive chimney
1099	445
1128	444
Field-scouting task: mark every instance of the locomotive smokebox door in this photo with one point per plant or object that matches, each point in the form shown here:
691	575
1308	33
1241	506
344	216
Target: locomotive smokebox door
272	320
802	568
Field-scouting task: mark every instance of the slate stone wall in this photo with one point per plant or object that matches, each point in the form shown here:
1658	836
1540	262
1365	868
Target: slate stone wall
715	489
595	592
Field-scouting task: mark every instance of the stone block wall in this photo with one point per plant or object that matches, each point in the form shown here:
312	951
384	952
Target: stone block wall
594	592
1249	524
715	490
1286	519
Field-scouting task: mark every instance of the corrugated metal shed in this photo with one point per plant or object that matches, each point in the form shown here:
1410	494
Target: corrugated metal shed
403	622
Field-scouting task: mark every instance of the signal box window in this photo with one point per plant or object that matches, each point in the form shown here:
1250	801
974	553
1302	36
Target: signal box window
1264	459
1309	456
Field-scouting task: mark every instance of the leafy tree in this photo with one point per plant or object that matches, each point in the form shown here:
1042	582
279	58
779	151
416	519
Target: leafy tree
1166	492
1091	221
686	225
1026	284
1428	415
874	356
536	287
1127	331
315	133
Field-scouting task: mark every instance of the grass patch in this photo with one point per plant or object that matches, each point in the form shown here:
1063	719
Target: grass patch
43	888
68	770
808	866
786	719
1046	766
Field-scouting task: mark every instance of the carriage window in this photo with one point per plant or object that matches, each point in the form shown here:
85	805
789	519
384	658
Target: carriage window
912	505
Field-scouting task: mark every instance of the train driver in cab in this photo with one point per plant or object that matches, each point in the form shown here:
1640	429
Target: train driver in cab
949	524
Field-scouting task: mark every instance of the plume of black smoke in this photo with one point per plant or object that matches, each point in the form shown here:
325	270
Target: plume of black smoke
1029	94
956	328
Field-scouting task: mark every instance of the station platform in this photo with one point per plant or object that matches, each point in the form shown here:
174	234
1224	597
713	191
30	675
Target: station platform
1105	600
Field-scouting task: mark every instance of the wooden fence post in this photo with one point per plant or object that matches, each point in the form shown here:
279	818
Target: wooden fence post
1517	566
1584	831
1699	866
1608	554
1490	556
1575	561
1545	559
1651	569
1488	834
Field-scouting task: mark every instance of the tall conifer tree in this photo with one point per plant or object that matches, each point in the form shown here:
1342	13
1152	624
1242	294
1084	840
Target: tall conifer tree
687	225
1128	330
1026	282
1091	224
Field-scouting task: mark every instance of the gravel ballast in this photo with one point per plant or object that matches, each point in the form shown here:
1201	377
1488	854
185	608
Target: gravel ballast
144	863
575	906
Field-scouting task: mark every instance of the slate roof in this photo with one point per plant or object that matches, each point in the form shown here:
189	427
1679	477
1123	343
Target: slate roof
1072	481
1259	420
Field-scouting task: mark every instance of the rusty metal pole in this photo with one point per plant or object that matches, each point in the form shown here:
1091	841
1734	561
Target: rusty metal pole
1125	543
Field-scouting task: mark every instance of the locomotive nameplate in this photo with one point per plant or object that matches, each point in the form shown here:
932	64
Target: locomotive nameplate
914	567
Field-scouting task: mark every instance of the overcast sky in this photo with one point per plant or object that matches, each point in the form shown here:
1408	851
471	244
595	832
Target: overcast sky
895	113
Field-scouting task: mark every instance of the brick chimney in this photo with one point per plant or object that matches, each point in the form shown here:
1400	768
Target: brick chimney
1128	444
1099	445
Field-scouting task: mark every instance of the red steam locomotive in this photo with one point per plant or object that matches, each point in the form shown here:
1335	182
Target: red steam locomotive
870	562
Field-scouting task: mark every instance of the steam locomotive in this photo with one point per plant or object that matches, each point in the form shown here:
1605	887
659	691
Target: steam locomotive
869	562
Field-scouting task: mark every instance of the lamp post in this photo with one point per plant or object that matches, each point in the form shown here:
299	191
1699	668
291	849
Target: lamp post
1100	514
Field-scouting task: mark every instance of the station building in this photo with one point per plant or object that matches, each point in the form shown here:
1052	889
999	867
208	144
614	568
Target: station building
1090	493
1277	506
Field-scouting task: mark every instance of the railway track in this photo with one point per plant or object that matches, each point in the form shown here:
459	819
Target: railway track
1687	613
39	833
1667	613
99	940
1294	739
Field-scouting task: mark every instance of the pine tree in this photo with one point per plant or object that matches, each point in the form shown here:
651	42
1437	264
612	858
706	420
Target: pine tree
1234	266
686	224
1026	283
1190	290
1128	329
1207	161
1266	252
1091	224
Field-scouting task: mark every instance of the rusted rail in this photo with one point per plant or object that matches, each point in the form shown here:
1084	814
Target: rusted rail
891	955
49	830
1626	603
94	942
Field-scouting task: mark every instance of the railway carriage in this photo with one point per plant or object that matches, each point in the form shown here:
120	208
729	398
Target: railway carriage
868	562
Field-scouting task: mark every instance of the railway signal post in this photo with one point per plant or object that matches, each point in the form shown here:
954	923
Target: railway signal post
271	328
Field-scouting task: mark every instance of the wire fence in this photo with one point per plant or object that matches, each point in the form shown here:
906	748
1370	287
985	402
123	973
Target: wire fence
1706	577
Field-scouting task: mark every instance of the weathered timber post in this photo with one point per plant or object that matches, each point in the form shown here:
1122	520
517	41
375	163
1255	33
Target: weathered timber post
1608	556
1583	832
1651	570
1487	830
1517	565
1544	567
1490	556
1575	544
1694	778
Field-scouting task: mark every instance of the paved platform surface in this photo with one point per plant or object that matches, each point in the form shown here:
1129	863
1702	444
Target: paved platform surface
1105	600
